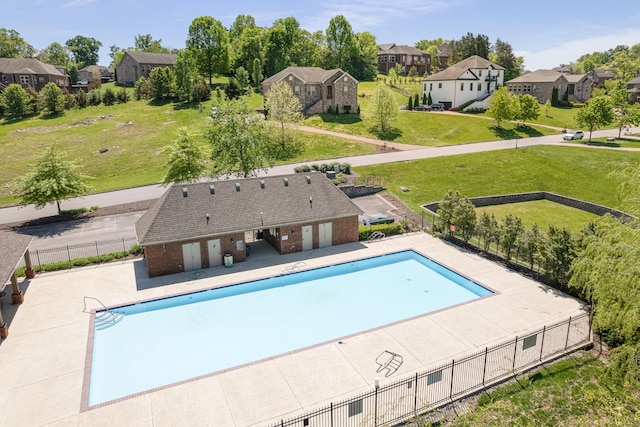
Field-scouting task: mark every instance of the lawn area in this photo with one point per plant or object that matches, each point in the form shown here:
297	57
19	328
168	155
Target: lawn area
420	127
581	173
602	142
572	392
135	134
543	213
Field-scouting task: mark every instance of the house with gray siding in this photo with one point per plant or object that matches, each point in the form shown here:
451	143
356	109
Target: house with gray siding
134	65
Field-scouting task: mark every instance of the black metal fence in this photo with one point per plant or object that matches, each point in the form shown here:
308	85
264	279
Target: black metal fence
40	257
411	396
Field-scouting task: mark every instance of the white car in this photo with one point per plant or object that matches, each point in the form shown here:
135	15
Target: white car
83	82
573	134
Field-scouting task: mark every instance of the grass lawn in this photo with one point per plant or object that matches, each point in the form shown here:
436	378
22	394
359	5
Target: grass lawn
571	392
420	127
602	142
568	171
135	134
543	213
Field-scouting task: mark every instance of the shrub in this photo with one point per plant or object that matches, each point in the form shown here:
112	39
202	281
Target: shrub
69	101
346	109
95	98
109	97
81	98
201	91
346	168
142	89
358	109
123	96
330	109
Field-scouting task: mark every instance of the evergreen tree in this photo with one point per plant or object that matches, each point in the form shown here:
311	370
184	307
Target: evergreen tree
410	104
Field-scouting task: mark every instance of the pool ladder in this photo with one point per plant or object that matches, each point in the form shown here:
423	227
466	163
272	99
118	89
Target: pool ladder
293	268
104	318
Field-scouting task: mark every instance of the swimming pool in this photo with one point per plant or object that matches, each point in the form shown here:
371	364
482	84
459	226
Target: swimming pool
157	343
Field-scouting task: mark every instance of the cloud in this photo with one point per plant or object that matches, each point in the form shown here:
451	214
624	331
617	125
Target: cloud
570	51
79	3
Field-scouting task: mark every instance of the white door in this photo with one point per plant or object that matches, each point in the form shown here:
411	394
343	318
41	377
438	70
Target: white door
191	256
215	253
307	237
325	235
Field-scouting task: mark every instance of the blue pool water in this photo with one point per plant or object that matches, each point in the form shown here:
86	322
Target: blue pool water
173	339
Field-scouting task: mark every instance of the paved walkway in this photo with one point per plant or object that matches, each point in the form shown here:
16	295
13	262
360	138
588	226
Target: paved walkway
18	214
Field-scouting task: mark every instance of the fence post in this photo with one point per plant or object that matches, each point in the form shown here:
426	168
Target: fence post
484	368
69	256
39	263
97	251
415	395
566	341
453	363
515	351
123	248
375	405
331	414
544	329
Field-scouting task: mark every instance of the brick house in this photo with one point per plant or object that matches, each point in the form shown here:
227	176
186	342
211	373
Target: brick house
407	56
473	78
30	73
195	226
317	89
91	73
633	88
541	83
134	65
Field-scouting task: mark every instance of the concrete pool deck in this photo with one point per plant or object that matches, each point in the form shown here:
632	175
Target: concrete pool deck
43	359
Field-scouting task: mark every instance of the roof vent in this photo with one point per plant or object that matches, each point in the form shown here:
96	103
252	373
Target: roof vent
308	179
262	184
237	186
212	189
286	182
185	192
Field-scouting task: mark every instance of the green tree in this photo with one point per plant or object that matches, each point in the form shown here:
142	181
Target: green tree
146	43
528	108
240	140
208	42
364	65
201	91
142	89
501	106
232	89
73	73
51	99
81	99
340	43
186	159
53	180
247	43
558	252
487	229
84	50
257	75
109	97
186	75
161	81
242	76
410	103
511	229
529	244
554	97
15	101
284	108
383	106
464	217
505	57
596	113
470	45
283	46
429	100
54	54
12	45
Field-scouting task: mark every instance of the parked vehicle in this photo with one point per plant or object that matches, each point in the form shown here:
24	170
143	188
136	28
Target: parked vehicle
378	219
436	106
573	134
83	82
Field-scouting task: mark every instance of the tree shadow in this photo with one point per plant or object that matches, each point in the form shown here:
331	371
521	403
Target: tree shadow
529	131
51	116
503	133
345	119
389	134
601	144
178	106
160	102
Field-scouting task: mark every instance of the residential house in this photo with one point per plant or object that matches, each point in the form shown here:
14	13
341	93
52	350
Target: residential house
407	56
474	78
633	87
30	73
134	65
600	75
202	225
443	56
94	72
540	83
318	90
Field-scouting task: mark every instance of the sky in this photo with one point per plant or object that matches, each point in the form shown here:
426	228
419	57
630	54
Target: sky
547	33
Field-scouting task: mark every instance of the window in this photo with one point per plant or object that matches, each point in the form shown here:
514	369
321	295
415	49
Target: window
355	408
461	87
439	85
479	87
430	86
470	86
479	73
24	80
434	377
41	79
392	58
383	58
529	342
296	90
345	90
311	91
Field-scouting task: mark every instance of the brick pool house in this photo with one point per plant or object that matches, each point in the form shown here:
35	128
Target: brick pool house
201	225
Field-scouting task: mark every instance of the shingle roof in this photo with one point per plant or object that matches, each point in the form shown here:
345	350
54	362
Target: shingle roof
634	81
27	65
538	76
13	247
574	78
392	48
175	217
454	71
153	58
310	75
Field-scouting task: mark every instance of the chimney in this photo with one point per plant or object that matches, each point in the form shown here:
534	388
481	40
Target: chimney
185	192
